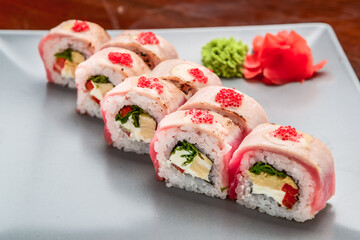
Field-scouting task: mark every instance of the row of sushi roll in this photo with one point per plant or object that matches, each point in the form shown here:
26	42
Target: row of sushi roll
134	108
192	147
220	144
201	136
104	62
136	78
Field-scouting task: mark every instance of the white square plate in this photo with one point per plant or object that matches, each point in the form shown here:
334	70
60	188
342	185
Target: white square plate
59	179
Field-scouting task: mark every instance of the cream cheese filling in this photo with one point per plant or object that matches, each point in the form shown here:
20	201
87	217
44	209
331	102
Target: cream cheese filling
100	89
199	167
270	185
145	131
68	70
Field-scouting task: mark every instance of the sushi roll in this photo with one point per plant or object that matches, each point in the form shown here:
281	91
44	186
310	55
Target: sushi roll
101	73
282	172
191	150
188	76
67	45
133	109
152	48
243	110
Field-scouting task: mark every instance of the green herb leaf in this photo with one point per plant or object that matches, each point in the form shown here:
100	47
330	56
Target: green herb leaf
99	79
266	168
223	189
134	114
192	151
66	54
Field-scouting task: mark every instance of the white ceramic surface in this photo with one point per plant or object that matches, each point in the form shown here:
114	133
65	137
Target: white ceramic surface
59	179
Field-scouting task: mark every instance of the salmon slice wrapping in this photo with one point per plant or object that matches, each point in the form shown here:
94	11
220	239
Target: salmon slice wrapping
242	109
152	48
188	76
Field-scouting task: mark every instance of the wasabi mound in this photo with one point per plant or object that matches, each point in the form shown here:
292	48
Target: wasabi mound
225	57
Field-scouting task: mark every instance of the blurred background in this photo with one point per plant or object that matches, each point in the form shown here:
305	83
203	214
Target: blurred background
342	15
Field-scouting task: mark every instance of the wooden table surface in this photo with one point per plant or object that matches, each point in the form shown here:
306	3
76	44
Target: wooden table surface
342	15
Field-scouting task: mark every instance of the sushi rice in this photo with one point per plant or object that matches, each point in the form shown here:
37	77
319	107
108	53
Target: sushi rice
301	211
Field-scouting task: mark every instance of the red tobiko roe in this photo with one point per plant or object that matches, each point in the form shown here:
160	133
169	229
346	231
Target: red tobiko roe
120	58
287	133
200	116
281	58
151	83
198	75
228	98
147	38
80	26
